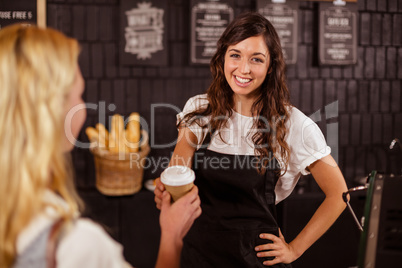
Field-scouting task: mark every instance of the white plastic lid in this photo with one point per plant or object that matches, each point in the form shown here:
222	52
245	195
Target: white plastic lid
177	175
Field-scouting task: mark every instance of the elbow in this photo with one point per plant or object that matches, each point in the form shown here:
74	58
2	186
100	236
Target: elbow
338	200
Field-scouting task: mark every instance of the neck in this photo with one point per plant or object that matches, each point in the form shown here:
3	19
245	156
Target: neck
242	105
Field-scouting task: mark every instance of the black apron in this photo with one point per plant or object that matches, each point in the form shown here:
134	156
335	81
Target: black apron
238	204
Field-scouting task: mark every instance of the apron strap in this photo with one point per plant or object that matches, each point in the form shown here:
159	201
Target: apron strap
52	243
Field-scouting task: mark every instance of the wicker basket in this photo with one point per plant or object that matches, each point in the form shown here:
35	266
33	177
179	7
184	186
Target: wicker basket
119	174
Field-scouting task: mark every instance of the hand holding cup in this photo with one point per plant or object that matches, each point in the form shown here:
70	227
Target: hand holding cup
178	180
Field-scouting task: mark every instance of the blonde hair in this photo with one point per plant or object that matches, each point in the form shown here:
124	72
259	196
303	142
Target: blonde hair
37	71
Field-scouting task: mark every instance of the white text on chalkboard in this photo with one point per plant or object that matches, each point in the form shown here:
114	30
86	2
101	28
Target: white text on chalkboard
16	15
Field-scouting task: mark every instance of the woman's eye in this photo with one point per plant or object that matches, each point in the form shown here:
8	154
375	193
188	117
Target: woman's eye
235	56
258	60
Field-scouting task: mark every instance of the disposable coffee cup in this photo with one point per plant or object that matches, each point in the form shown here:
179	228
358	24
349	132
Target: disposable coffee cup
178	180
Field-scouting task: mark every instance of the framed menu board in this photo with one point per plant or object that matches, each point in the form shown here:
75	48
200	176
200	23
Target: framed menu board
23	11
283	16
337	34
143	38
209	19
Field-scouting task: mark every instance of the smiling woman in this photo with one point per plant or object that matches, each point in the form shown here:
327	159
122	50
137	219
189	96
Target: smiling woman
248	147
246	66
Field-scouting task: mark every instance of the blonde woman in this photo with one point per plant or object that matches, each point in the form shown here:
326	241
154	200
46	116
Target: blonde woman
40	83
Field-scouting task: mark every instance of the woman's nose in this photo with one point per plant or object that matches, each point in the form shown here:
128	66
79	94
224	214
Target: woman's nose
244	67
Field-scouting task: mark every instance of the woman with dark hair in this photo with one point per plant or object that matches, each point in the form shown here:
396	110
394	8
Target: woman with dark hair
248	146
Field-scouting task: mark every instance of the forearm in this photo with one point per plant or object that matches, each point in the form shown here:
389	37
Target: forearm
169	252
184	149
323	218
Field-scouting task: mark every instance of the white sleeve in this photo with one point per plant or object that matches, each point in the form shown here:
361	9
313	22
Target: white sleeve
307	145
191	105
314	145
88	245
306	141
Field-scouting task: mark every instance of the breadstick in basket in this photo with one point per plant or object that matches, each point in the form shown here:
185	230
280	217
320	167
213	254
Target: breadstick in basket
92	134
103	135
133	133
116	136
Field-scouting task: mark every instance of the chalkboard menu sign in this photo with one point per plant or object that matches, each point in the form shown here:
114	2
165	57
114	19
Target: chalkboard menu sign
143	33
17	11
337	37
283	16
209	19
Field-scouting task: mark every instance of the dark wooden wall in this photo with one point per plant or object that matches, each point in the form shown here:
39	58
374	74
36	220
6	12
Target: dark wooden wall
368	95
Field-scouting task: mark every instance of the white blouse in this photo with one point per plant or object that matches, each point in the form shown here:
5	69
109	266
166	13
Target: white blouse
86	244
305	139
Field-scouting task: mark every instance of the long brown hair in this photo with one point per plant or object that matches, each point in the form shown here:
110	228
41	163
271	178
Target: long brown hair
272	103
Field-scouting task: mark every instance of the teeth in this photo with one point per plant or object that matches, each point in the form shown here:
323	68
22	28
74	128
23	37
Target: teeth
242	80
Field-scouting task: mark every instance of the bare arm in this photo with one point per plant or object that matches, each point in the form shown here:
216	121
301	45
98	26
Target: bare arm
177	218
330	179
182	155
184	151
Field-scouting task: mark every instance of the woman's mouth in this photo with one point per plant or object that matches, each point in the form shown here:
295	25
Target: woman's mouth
240	81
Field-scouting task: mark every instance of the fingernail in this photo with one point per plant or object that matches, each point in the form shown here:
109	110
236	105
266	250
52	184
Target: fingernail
261	236
259	254
257	248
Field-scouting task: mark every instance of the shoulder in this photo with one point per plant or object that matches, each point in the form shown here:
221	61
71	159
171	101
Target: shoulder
195	103
297	117
300	124
86	244
305	139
